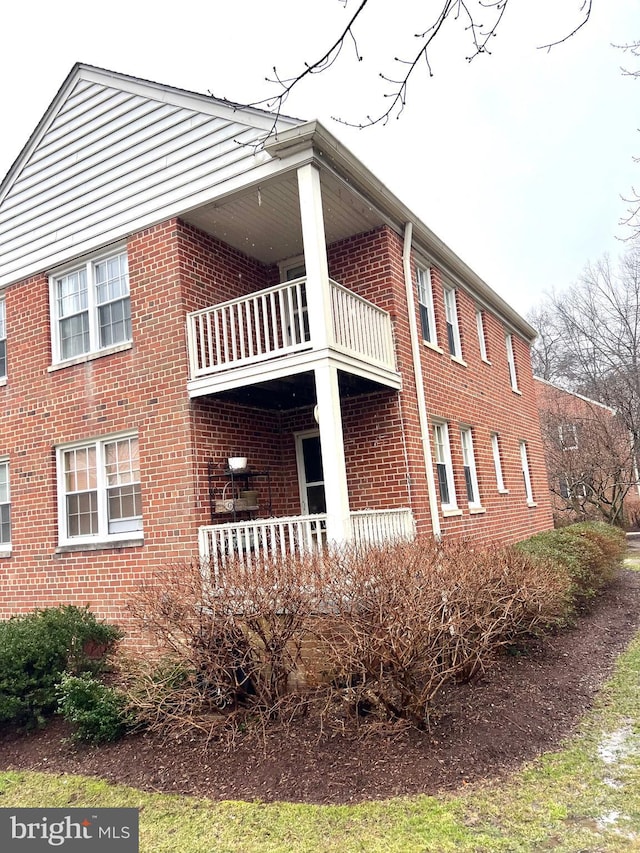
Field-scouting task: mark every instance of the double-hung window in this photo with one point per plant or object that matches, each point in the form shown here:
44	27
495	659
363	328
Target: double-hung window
497	462
425	304
90	307
453	329
5	506
444	467
99	490
568	435
3	340
482	340
511	361
469	463
526	474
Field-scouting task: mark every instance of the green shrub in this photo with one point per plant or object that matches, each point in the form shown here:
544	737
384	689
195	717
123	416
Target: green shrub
589	552
36	648
98	712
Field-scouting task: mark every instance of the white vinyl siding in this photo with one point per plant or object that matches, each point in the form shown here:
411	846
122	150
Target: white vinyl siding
444	467
526	474
99	496
90	307
425	305
453	329
511	361
497	462
469	463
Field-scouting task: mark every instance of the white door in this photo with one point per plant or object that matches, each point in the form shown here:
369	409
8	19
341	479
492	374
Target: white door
310	473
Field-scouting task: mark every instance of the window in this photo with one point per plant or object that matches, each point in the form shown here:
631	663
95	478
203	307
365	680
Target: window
99	490
568	435
482	341
511	361
497	462
5	506
443	466
3	340
525	473
425	304
469	462
91	308
453	331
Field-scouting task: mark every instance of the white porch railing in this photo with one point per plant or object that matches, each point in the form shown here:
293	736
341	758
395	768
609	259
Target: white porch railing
273	322
249	541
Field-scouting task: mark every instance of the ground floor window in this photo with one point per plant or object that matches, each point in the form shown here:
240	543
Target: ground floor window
5	505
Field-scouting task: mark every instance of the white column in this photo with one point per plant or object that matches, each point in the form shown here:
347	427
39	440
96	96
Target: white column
332	450
315	256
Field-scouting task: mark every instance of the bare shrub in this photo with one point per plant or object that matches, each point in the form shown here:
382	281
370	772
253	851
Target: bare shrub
405	620
235	645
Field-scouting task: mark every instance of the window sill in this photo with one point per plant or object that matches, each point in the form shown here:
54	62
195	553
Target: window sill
532	504
89	356
434	347
449	513
486	361
5	552
476	510
3	381
503	491
516	391
459	360
100	546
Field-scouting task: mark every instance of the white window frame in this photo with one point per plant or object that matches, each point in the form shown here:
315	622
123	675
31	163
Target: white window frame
453	327
425	305
3	339
92	308
442	457
526	473
482	338
469	462
568	435
497	463
102	536
511	361
5	545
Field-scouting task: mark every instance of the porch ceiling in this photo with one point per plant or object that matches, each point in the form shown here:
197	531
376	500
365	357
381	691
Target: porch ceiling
294	392
264	221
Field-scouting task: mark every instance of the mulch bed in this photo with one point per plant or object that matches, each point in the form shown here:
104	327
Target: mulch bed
523	706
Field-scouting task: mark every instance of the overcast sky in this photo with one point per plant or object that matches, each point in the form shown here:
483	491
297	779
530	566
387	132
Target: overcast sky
517	160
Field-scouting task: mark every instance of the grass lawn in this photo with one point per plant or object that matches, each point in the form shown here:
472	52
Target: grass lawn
583	798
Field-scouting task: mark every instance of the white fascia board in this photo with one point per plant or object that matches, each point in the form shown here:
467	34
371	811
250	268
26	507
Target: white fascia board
327	147
575	394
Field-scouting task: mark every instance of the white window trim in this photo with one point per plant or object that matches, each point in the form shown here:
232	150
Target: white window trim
497	462
469	461
524	458
425	299
95	351
451	316
482	338
103	536
563	431
451	507
5	547
3	337
511	361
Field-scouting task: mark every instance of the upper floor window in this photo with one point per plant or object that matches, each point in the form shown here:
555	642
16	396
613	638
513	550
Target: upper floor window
469	462
5	506
444	466
511	361
90	307
568	435
482	340
497	461
3	339
425	304
526	474
99	490
453	330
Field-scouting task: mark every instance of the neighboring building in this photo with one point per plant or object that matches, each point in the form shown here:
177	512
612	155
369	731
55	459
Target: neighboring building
182	285
590	459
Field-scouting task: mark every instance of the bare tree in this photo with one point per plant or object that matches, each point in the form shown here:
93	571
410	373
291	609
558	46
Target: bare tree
631	218
480	21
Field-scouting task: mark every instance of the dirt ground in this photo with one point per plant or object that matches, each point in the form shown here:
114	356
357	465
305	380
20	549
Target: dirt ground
523	706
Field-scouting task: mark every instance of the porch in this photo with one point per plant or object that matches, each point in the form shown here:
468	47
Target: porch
254	540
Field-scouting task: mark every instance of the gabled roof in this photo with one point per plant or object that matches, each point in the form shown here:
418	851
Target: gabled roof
113	152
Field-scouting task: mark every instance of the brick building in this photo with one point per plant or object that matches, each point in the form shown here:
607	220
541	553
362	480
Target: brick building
184	283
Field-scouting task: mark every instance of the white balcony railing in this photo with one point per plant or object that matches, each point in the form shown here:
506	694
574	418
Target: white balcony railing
272	323
250	541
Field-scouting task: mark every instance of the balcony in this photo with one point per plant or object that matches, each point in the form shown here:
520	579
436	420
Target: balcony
267	334
251	541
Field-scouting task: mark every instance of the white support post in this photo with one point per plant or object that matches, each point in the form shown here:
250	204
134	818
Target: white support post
332	450
315	256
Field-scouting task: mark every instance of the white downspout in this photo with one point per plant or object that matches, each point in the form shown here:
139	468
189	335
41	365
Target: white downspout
417	372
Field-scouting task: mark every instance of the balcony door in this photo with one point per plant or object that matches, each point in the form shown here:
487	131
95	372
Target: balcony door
310	473
298	319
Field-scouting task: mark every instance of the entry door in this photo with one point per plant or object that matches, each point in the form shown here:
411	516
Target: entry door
310	473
